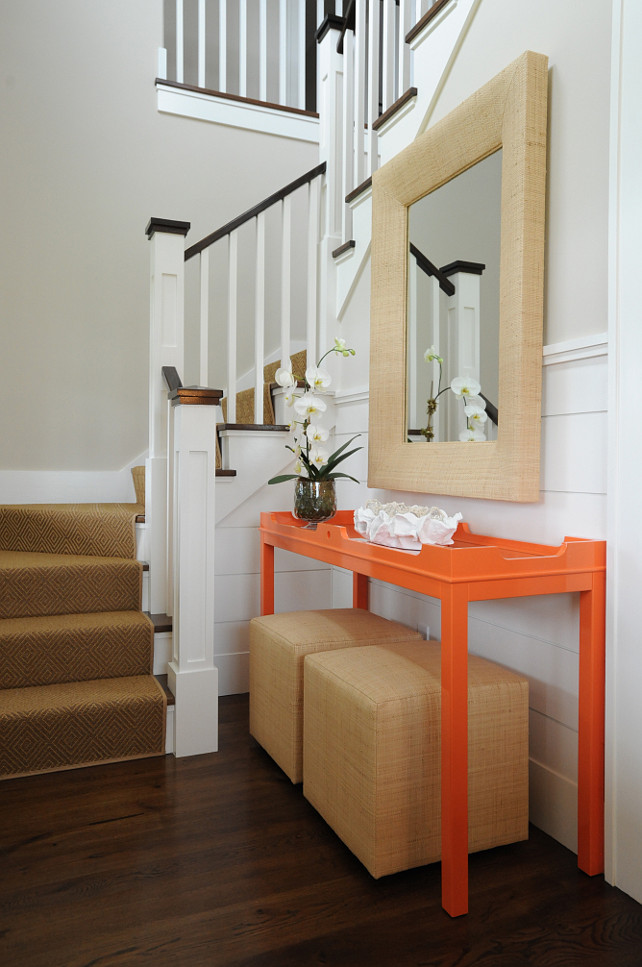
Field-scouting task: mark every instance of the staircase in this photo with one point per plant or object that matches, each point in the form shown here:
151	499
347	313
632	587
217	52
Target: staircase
76	687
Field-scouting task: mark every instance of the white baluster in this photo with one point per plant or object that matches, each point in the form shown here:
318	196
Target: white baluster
259	318
372	106
180	70
205	307
360	39
232	312
243	48
201	43
313	236
403	51
263	50
283	52
286	278
222	45
349	145
300	60
162	64
388	53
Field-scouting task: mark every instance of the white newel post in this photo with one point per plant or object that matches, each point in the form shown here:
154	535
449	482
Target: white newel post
192	675
330	101
166	348
464	330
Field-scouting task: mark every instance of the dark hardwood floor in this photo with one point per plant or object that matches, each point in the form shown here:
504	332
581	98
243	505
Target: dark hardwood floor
218	860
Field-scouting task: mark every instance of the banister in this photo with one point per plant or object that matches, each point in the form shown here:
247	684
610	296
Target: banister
427	266
256	210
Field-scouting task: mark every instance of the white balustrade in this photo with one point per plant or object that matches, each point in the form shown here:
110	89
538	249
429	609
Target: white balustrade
218	42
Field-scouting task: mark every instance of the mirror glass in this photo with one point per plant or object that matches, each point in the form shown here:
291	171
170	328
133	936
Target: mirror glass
454	237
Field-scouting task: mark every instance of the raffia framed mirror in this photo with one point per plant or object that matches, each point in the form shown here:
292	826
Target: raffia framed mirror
508	113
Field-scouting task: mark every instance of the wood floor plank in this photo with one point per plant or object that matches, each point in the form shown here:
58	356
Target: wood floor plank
218	860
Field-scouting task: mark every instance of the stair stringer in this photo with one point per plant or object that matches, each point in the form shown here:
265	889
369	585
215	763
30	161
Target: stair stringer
256	455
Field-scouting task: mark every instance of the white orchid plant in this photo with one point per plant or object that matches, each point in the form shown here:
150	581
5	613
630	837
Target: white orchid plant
312	459
468	390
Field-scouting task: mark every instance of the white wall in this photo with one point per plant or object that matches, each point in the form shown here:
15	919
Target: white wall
86	160
538	636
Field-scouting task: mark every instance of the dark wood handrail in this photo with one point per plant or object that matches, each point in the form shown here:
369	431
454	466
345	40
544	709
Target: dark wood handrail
172	379
491	409
427	266
256	210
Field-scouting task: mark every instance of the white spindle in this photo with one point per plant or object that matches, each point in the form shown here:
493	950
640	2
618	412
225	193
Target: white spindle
372	107
232	312
283	51
349	145
403	52
162	64
300	59
263	50
388	53
180	70
259	318
313	234
222	45
243	48
359	89
205	307
286	277
201	43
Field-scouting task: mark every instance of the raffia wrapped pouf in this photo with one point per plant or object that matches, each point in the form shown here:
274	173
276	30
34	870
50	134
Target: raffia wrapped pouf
371	752
278	645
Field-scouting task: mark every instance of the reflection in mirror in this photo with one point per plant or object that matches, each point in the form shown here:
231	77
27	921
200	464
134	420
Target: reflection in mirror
453	305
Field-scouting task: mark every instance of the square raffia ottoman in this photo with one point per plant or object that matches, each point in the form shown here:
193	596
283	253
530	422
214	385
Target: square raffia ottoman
278	645
371	752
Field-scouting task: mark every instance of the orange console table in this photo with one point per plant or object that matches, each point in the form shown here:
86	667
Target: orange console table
474	568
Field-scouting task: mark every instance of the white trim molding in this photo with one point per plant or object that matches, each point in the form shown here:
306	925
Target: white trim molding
572	350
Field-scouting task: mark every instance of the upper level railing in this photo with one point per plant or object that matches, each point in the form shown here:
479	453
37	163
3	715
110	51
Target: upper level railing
256	49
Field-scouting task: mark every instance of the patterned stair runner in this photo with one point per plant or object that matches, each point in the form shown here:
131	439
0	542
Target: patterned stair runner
75	649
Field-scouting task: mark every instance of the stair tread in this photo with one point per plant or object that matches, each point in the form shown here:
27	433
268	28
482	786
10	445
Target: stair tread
63	696
93	529
11	559
56	622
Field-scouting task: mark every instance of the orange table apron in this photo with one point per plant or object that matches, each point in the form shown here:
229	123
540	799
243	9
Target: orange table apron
474	568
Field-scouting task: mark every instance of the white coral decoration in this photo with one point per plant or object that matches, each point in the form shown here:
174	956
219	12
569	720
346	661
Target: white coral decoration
403	527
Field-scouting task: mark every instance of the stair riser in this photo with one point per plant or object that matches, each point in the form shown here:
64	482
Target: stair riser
68	529
34	656
77	731
71	589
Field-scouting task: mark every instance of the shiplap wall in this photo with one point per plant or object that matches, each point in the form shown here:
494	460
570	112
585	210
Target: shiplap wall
535	636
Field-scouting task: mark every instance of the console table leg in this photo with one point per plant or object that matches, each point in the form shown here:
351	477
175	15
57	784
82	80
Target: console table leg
590	779
359	591
454	751
267	578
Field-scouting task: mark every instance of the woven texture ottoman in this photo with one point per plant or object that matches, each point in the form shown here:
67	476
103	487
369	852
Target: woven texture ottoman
371	752
278	645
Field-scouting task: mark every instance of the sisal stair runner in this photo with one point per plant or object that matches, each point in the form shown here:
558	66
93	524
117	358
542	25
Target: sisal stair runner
76	651
245	398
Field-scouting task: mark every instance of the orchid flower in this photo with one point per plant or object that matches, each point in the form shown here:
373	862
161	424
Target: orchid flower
309	404
475	415
465	386
472	436
317	378
431	353
316	433
284	376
